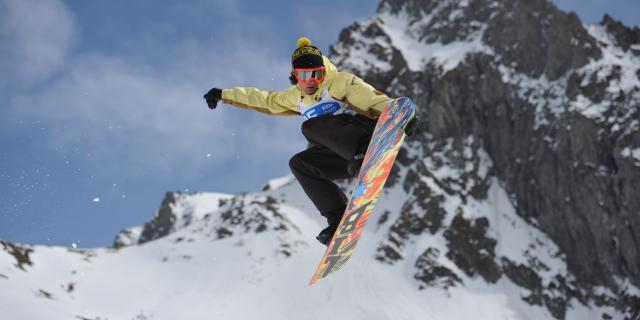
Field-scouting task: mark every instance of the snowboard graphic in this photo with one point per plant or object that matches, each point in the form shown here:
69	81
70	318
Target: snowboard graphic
381	154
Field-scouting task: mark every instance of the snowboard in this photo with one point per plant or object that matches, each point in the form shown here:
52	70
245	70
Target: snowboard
382	151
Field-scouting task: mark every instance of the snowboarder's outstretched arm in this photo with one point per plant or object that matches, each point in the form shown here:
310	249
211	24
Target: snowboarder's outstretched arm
279	103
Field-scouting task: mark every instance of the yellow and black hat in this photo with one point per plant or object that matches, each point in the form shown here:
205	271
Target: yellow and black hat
306	55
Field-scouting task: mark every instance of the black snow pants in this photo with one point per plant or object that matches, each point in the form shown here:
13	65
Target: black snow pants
334	140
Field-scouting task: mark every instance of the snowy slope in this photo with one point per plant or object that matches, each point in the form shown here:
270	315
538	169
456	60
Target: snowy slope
241	260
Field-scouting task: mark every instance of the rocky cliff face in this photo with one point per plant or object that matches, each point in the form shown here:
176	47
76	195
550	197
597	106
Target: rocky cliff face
555	107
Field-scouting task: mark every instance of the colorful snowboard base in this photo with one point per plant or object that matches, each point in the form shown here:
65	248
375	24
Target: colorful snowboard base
384	146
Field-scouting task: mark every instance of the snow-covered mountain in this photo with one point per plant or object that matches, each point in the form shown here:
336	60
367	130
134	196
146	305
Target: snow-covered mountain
516	199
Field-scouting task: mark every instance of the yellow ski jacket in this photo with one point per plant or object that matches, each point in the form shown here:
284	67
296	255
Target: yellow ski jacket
342	86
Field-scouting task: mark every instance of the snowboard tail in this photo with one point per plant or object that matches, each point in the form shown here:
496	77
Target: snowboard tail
384	147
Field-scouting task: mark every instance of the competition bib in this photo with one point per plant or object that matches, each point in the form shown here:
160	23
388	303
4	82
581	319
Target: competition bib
326	105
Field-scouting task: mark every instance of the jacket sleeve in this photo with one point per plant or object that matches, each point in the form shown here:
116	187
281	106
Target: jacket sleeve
278	103
361	96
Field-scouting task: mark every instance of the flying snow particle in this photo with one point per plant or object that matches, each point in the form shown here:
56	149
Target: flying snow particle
96	199
74	245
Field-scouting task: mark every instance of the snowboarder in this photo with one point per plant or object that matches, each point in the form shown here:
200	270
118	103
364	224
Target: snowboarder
339	111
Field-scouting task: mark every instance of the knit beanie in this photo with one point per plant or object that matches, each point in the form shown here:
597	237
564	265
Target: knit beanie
306	55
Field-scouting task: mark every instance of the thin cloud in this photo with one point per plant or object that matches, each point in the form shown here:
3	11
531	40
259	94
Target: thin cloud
149	119
155	120
35	38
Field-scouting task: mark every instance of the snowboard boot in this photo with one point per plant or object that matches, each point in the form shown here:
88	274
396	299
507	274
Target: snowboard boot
354	164
333	219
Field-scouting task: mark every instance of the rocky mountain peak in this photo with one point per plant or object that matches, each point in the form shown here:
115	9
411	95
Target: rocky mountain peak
534	37
625	37
553	104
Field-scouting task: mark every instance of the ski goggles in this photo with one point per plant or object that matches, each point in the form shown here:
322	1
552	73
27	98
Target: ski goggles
307	75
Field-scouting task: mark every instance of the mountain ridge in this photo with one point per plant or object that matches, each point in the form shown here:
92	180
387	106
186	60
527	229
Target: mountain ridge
590	90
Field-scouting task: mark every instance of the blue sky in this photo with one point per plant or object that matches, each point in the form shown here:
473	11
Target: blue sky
103	100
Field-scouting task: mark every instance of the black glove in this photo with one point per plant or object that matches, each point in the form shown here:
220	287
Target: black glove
212	97
410	129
